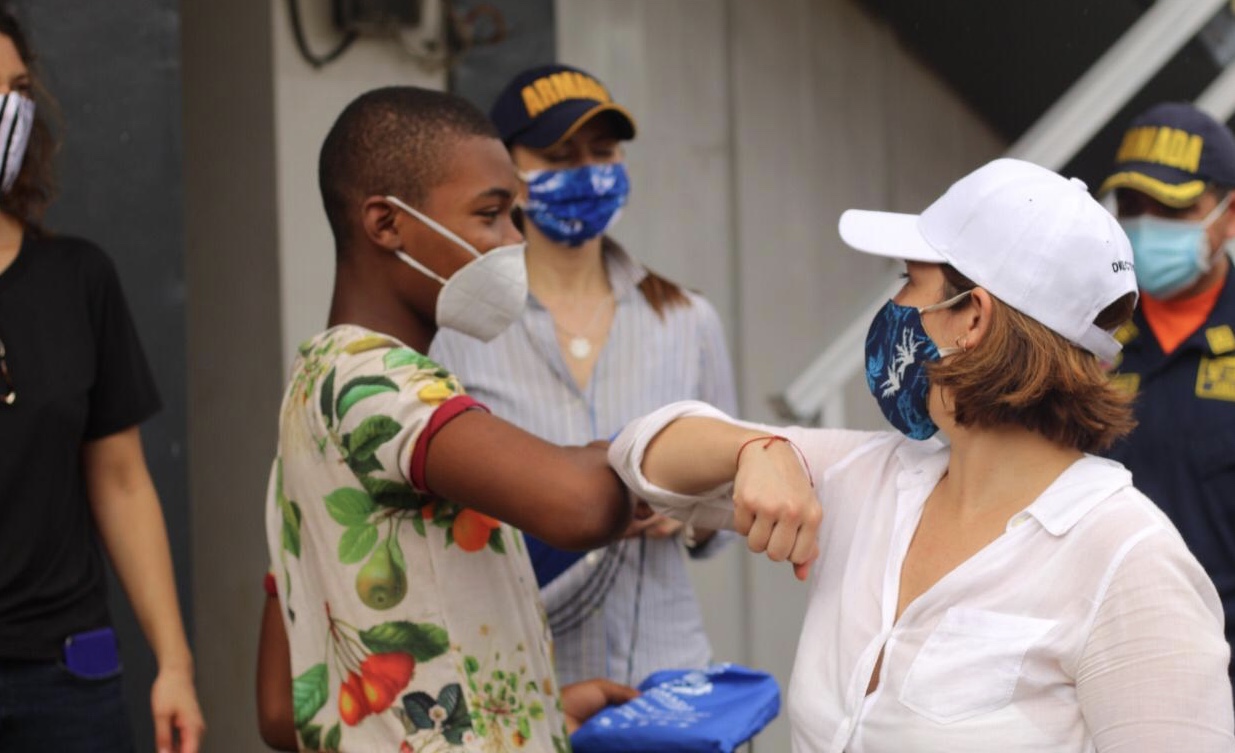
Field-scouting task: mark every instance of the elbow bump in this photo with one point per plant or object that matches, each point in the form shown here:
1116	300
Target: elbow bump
589	525
604	526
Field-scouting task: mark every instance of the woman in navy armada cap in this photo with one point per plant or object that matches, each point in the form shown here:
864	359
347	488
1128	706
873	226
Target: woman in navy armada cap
602	340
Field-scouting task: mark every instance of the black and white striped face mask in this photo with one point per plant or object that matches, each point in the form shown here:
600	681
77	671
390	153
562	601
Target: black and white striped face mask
16	119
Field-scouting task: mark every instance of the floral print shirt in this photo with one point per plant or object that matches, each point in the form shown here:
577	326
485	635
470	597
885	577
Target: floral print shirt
414	623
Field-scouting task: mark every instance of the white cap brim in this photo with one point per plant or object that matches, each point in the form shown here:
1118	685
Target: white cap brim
889	234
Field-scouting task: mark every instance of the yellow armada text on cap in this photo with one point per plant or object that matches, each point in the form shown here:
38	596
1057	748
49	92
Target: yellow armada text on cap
556	88
1163	146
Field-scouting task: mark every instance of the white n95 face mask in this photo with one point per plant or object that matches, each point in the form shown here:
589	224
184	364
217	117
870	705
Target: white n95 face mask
16	120
483	297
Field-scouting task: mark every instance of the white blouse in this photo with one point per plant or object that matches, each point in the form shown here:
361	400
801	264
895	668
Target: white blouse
1086	626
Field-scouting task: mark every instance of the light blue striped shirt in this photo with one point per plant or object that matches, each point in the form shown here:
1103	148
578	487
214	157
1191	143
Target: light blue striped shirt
627	610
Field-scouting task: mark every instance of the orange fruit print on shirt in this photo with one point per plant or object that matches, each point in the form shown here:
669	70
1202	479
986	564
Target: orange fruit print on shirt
471	529
352	704
384	675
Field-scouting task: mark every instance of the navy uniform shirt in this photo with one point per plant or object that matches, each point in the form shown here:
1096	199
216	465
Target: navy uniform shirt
1182	453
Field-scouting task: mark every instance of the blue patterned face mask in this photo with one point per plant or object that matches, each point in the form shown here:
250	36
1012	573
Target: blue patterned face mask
576	205
897	352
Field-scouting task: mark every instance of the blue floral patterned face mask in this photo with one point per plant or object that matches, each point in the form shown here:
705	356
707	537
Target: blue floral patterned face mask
897	352
576	205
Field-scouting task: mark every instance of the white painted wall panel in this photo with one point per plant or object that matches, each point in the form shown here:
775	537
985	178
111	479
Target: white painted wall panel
307	101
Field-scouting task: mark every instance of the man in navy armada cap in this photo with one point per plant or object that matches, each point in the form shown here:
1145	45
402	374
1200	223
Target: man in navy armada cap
1172	180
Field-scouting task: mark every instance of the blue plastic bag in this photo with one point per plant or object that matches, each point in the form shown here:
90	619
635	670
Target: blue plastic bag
685	711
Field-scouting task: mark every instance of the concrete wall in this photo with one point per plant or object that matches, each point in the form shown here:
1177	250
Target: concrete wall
760	123
235	364
260	268
307	101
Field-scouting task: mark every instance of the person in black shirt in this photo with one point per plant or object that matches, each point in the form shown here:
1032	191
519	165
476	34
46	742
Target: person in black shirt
74	385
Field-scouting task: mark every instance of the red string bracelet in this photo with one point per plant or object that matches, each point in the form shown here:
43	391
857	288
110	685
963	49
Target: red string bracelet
777	438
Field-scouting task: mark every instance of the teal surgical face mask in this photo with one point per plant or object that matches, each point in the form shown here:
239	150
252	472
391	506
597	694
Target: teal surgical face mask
1170	255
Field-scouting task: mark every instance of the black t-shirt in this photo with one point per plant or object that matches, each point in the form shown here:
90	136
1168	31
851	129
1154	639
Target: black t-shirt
79	374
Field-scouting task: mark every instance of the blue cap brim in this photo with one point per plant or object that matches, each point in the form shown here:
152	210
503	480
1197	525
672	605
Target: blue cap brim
561	121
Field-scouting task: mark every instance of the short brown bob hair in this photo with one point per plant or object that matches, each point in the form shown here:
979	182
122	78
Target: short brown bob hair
1024	374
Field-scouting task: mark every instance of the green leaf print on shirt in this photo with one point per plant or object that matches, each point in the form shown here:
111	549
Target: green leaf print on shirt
349	507
311	736
356	543
394	494
397	358
314	361
309	693
291	528
382	581
360	388
363	443
289	533
422	640
495	541
334	738
326	399
446	715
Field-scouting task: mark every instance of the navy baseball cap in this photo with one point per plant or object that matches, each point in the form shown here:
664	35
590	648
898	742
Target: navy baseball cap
1171	152
544	105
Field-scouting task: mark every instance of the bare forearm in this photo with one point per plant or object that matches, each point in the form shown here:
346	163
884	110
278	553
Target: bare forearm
131	526
694	455
274	682
129	520
566	496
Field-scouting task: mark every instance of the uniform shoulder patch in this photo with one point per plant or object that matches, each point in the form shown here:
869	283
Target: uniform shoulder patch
1126	333
1221	339
1215	379
1129	383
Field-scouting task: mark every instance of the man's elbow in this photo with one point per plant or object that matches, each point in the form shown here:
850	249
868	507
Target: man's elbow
599	522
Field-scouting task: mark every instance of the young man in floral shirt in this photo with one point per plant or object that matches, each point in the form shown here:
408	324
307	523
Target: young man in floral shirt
410	608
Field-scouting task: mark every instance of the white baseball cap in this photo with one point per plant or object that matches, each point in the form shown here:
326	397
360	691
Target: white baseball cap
1036	240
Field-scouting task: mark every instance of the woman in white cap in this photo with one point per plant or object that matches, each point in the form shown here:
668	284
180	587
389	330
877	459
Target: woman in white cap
1005	587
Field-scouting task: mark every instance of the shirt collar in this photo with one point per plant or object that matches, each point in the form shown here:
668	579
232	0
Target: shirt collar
1079	489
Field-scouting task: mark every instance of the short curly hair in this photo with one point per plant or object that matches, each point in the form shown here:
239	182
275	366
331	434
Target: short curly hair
391	140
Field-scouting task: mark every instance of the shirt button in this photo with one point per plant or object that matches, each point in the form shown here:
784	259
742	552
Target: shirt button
593	557
845	724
